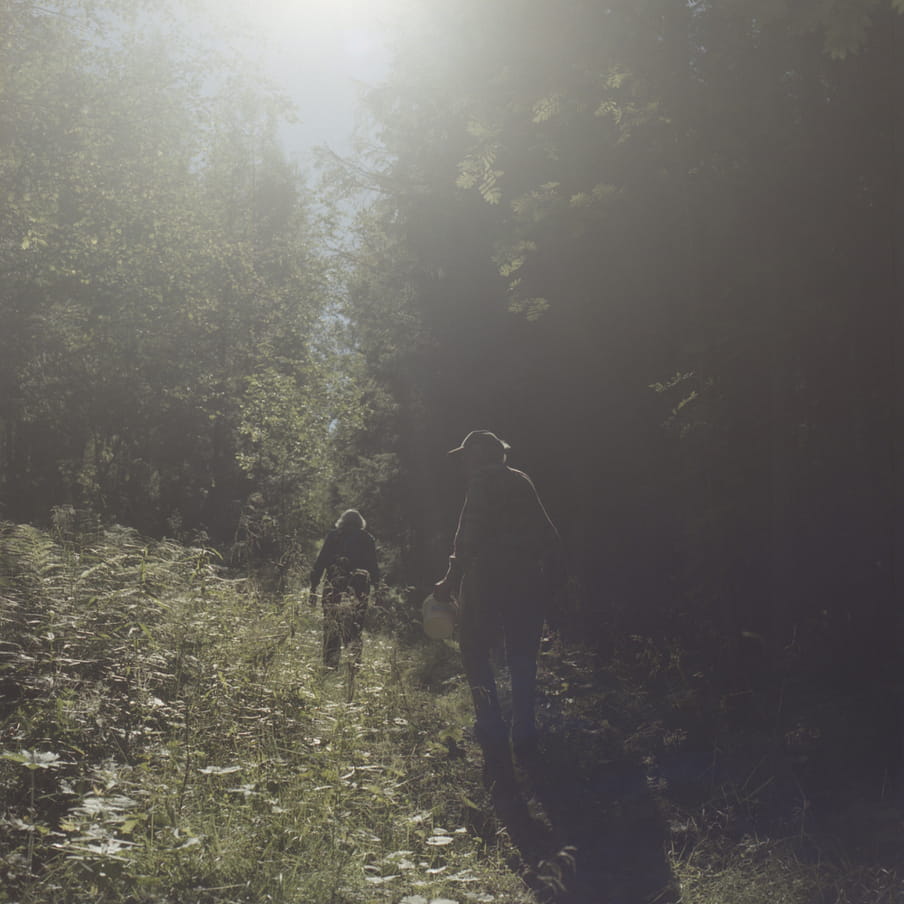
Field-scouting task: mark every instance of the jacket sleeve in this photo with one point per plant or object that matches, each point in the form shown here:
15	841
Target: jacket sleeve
372	565
551	540
472	525
552	560
474	522
323	559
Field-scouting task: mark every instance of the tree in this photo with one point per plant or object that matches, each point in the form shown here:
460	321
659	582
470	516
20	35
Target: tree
664	190
165	285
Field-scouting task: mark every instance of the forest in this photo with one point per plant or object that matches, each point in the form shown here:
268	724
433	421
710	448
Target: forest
655	245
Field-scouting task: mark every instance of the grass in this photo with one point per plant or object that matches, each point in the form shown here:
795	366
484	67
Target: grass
167	734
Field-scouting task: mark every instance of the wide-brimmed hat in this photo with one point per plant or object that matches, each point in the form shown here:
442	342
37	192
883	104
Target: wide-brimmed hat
482	438
351	518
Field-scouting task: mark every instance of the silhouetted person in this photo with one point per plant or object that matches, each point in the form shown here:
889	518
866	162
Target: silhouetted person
349	559
505	568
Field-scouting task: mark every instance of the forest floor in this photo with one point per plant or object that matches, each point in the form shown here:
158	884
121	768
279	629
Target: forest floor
664	794
168	736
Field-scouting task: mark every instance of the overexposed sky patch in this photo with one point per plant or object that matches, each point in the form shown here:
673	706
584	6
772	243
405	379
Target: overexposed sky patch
319	53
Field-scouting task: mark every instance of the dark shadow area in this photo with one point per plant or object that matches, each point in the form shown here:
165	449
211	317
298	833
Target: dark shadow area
587	822
645	775
624	774
606	835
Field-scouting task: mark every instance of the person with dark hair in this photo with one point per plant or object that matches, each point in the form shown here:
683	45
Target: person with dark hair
348	557
505	568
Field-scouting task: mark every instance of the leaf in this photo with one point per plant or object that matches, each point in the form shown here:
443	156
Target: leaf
189	842
33	759
97	805
532	308
465	875
545	108
129	826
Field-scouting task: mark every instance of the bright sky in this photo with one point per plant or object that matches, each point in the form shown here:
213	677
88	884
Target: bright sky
319	53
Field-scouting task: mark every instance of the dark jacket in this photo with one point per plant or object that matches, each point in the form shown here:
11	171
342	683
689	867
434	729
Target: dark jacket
352	543
502	520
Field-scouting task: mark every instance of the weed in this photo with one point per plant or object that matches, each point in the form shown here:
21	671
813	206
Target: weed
167	734
170	736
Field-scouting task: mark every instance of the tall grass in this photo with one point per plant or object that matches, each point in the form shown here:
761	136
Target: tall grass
168	735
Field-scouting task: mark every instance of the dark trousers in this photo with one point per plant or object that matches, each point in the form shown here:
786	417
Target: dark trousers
343	625
502	602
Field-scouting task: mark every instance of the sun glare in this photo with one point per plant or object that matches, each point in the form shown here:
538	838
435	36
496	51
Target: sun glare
355	22
318	53
352	33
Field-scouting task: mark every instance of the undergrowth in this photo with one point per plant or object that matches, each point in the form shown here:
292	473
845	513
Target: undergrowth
168	735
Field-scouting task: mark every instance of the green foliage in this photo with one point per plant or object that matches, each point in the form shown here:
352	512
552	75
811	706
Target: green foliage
168	733
163	277
674	190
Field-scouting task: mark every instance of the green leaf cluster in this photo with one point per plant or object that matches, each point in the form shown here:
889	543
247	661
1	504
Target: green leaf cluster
166	294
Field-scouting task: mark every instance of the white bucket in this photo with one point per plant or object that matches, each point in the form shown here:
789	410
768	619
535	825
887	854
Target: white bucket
439	618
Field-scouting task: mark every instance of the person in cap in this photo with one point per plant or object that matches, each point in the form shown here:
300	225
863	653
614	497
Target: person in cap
505	567
348	557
